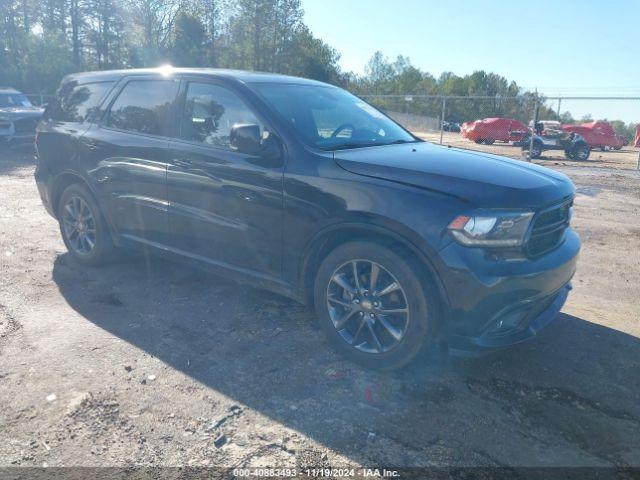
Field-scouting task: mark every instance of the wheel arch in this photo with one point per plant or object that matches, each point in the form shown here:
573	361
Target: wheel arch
61	182
64	180
329	238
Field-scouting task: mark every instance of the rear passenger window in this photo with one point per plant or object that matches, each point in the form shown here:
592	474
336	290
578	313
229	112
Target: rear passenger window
144	106
210	113
77	102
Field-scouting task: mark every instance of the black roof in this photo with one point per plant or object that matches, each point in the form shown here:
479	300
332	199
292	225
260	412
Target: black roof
239	75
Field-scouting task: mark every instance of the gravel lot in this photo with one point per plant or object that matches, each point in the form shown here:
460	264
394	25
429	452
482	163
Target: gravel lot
145	362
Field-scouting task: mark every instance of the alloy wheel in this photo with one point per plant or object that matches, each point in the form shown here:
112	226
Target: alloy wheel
79	225
367	306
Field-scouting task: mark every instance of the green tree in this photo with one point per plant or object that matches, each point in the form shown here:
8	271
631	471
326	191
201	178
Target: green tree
188	47
151	23
311	57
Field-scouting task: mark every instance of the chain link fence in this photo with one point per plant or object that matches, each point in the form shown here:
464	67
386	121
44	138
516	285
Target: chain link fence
509	126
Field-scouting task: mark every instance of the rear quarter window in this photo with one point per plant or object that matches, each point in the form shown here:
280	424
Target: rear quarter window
77	102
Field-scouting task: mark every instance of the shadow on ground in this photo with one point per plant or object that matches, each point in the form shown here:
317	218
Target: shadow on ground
569	397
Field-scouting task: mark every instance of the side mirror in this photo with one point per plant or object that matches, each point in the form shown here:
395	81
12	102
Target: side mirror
245	138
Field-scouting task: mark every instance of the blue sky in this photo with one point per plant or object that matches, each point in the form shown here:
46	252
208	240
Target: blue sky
561	47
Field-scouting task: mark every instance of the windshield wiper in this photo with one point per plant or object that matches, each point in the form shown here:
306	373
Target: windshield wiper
399	142
348	145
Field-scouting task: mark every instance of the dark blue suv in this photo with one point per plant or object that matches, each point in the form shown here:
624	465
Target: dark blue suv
304	189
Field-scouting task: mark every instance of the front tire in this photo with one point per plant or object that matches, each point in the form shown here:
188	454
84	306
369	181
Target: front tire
84	231
536	150
581	152
372	305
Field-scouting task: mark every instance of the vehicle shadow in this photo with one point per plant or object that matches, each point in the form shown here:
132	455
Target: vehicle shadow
569	397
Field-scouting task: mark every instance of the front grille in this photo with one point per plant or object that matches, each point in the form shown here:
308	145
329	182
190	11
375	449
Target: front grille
548	228
26	125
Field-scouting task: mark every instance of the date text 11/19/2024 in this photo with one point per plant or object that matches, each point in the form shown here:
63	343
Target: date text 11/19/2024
315	472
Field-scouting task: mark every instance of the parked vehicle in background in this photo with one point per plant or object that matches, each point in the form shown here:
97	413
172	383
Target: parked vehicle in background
302	188
547	125
451	126
18	117
490	130
547	137
598	134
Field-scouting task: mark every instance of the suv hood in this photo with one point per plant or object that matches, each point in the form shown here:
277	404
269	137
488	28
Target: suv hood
487	181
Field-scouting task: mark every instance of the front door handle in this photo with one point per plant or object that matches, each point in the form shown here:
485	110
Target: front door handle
181	162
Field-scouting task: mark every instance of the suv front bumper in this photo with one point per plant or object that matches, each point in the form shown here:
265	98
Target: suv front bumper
497	303
516	326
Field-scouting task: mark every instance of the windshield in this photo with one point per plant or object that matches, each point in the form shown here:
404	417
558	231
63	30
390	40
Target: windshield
8	100
330	118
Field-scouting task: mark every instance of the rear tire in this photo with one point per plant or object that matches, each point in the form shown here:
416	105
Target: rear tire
83	227
382	319
489	141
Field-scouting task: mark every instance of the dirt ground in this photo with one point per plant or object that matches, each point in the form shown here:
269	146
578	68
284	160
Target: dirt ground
145	362
626	158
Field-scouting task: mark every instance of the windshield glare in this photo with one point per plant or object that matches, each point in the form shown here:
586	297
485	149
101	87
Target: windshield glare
330	118
8	100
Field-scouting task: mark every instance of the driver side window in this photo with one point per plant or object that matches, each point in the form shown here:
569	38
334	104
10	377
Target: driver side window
210	112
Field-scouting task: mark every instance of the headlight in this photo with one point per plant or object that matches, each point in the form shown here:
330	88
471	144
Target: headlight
491	228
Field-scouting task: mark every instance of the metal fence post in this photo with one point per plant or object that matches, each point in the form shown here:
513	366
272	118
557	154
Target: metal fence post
535	120
444	107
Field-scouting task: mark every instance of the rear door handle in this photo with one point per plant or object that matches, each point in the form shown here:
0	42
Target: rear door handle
93	146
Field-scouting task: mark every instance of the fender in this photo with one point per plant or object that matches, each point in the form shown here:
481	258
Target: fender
423	252
66	178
